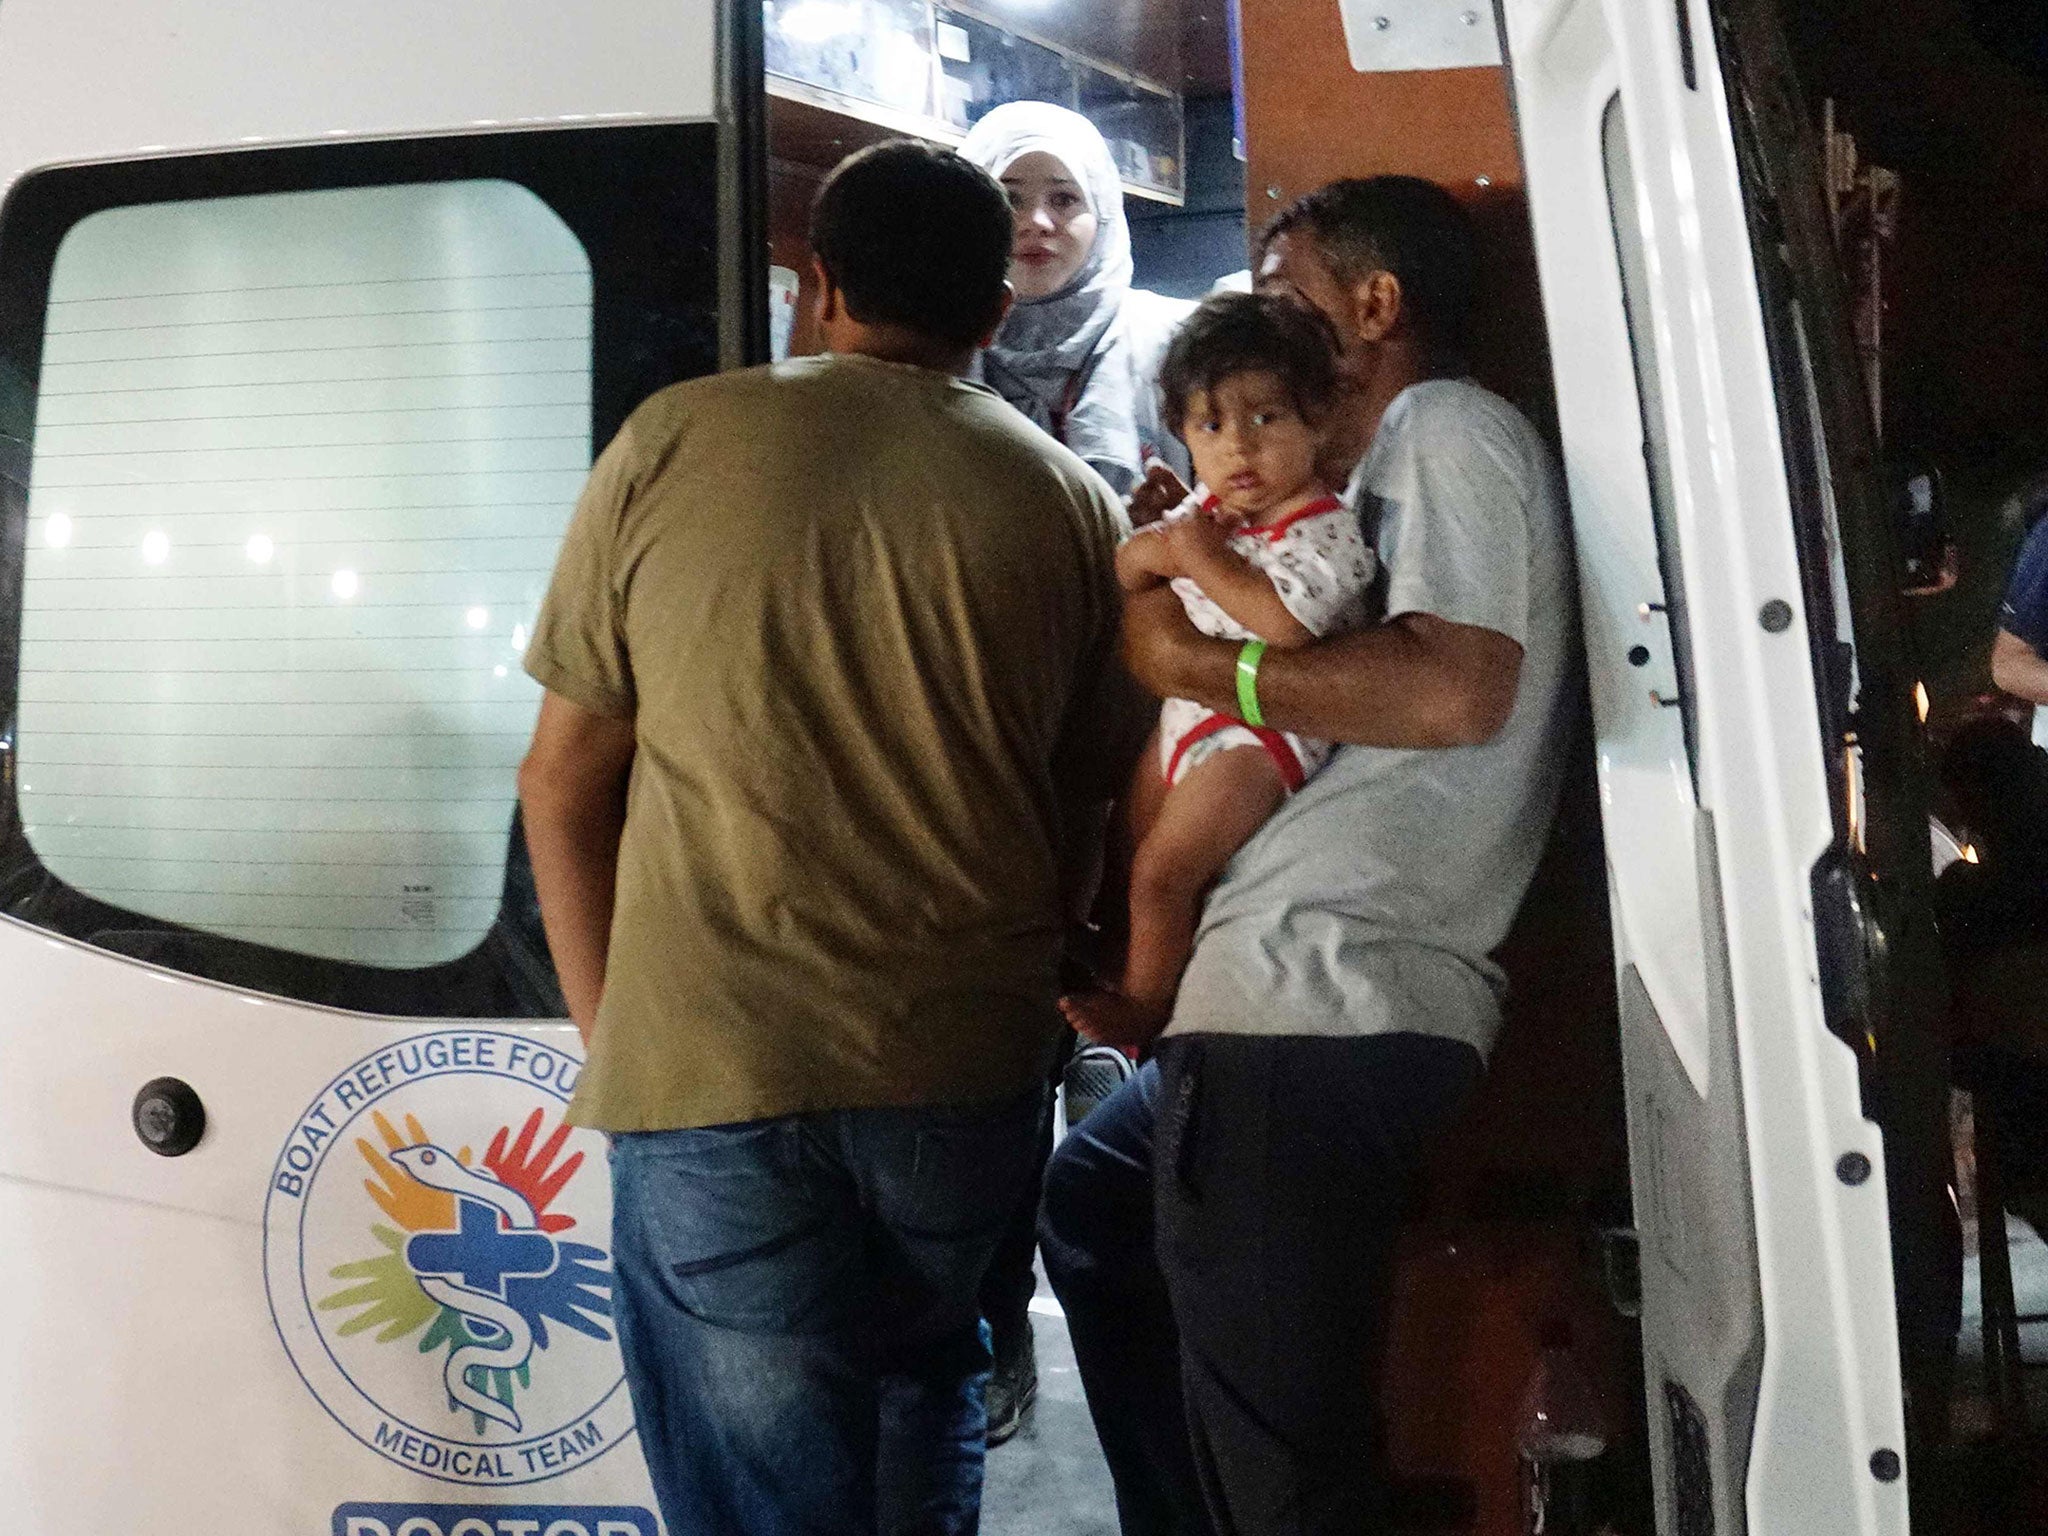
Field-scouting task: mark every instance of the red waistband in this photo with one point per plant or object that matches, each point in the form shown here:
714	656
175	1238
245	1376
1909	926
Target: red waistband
1276	745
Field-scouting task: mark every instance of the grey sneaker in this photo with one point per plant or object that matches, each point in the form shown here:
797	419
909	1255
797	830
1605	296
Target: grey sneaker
1013	1385
1094	1073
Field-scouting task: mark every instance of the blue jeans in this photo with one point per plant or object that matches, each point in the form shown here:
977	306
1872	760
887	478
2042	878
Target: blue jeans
795	1301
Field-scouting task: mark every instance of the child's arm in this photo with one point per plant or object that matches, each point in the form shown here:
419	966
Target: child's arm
1201	551
1145	560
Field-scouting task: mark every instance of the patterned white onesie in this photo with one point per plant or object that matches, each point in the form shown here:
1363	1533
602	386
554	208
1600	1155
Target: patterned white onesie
1322	568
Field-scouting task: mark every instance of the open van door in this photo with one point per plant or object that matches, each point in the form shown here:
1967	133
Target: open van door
1762	790
311	320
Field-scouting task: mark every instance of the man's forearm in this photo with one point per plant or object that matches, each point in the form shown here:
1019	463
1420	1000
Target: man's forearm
575	850
2019	669
1394	685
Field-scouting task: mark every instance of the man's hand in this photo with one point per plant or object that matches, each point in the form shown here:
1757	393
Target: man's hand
1162	647
1156	495
572	796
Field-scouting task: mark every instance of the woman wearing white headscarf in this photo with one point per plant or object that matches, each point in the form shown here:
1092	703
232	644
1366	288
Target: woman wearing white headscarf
1081	349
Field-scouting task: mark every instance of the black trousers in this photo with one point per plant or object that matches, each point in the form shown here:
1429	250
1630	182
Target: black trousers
1221	1235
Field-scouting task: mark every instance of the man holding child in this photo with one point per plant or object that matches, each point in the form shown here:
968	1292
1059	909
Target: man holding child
1221	1230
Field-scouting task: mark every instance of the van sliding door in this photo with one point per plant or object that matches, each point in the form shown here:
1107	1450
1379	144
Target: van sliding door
312	319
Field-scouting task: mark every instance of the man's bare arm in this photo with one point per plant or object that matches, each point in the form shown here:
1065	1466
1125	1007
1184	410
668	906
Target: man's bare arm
1416	681
572	796
2019	669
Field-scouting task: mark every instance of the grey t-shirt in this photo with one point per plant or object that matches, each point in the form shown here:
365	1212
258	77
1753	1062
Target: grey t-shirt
1372	901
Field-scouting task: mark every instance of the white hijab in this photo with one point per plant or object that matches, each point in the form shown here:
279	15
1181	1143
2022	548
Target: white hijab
1049	344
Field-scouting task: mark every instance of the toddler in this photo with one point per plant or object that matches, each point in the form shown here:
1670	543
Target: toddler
1261	552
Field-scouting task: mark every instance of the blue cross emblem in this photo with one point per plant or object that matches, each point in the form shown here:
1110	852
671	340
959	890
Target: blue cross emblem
480	1255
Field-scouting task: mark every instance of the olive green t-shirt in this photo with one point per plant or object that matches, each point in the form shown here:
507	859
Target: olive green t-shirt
863	619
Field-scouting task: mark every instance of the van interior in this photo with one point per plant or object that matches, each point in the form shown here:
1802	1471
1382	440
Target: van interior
1518	1286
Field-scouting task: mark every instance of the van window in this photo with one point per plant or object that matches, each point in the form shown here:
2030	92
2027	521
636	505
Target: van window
301	465
300	461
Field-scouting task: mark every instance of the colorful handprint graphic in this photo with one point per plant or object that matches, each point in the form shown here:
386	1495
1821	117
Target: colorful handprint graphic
473	1256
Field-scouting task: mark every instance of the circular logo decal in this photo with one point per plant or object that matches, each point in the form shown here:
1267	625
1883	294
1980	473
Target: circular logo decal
436	1245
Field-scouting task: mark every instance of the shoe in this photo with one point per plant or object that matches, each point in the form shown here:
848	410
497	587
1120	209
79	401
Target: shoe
1094	1073
1013	1385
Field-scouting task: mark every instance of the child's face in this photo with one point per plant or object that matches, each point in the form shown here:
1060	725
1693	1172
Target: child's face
1250	444
1054	230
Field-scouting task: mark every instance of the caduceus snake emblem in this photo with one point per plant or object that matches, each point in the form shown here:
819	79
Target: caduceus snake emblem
500	1238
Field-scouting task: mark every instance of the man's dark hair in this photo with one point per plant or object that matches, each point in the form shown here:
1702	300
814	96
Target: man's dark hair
1404	225
915	236
1233	333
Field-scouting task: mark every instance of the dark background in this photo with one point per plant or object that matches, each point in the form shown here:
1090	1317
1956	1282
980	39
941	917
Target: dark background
1953	95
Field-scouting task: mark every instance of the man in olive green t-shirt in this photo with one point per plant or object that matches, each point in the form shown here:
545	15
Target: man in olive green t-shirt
829	660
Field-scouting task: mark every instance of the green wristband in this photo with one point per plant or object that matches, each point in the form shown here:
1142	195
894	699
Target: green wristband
1248	682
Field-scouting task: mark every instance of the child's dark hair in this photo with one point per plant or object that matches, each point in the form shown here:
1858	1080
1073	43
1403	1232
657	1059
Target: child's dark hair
1234	333
918	237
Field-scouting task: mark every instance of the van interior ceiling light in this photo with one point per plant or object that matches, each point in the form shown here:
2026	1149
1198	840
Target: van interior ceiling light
260	548
478	618
57	530
905	64
819	21
156	547
346	584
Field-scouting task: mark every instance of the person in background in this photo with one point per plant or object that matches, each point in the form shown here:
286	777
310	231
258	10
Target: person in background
1992	910
1080	350
1221	1231
795	803
1079	354
2019	651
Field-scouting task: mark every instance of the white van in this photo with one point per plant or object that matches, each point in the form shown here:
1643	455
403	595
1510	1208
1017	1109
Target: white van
311	319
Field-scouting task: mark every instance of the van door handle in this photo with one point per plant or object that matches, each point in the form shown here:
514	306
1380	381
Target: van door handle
168	1117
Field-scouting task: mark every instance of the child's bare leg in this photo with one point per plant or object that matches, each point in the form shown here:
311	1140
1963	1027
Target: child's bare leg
1205	818
1135	812
1146	794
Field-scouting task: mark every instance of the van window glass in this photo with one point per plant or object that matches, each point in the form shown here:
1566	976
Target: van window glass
1628	245
304	429
301	465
